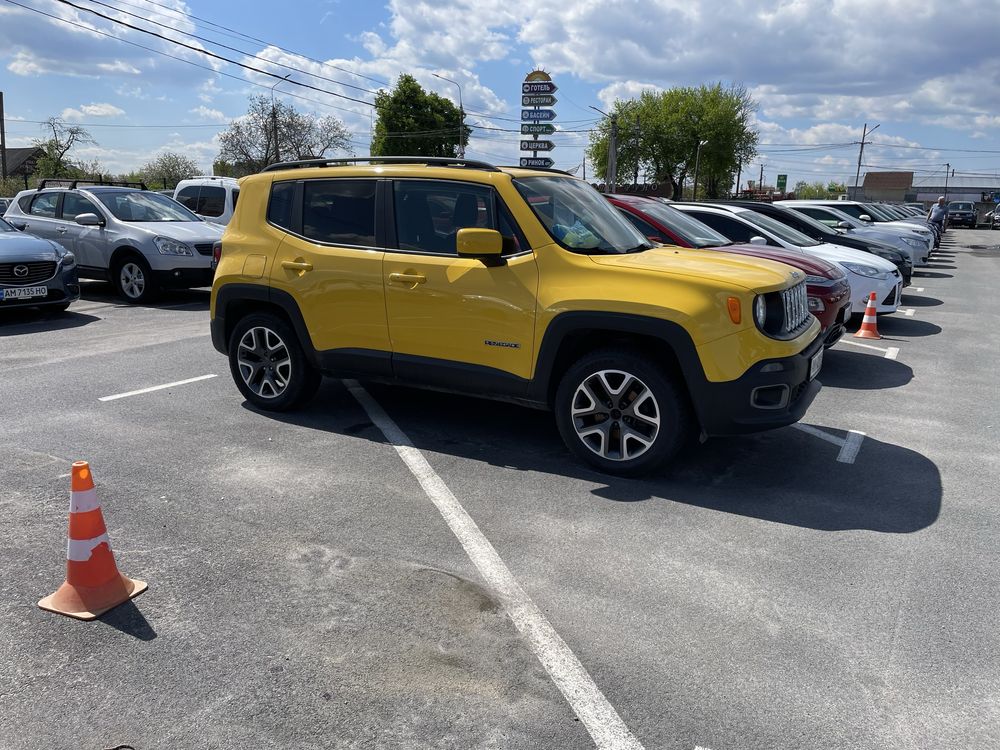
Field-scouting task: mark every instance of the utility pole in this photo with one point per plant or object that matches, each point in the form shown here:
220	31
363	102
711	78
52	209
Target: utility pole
3	141
635	144
739	176
760	183
461	117
613	155
864	133
947	169
697	163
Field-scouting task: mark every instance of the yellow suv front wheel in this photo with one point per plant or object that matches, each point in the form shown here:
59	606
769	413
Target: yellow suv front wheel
621	412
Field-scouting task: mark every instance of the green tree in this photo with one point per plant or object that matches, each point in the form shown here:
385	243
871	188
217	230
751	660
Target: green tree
63	137
671	123
167	169
413	122
249	144
810	190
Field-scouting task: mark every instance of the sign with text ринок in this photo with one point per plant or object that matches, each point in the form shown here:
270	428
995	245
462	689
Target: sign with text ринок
782	182
537	92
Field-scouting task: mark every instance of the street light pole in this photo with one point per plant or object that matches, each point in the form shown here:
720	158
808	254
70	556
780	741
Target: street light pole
857	175
611	178
697	163
274	121
461	116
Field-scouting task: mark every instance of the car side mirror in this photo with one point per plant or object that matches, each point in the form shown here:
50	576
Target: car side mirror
866	217
89	220
758	240
484	244
843	225
18	225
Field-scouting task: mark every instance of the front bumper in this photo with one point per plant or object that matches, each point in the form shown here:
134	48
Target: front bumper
63	288
887	292
963	220
184	278
772	393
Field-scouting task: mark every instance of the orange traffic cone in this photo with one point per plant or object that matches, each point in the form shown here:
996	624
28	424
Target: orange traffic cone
868	329
93	584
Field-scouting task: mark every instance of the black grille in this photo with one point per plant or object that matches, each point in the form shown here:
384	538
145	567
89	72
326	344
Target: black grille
890	298
39	270
204	249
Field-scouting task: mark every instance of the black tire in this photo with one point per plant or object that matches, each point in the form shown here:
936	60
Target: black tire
133	279
268	364
629	445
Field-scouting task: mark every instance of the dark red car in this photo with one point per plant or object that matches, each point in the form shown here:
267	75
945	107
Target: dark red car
827	287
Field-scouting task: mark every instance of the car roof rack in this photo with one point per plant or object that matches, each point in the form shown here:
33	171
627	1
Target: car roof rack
431	161
90	183
538	169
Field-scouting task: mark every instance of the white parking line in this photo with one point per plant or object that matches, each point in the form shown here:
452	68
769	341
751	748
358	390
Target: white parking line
908	313
849	446
578	688
918	289
889	353
156	388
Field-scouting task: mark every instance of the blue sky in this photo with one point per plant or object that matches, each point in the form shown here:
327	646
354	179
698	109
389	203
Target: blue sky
928	72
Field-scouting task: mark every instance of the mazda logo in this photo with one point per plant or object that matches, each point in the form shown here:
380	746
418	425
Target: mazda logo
20	271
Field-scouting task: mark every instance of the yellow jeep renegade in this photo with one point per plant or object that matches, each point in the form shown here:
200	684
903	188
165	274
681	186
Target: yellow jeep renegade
507	283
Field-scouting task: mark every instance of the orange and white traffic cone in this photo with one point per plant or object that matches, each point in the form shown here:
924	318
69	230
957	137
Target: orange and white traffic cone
869	329
93	584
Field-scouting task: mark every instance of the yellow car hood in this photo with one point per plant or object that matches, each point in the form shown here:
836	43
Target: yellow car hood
754	274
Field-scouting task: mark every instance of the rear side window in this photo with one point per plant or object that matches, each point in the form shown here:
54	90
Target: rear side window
339	212
279	208
44	205
211	201
188	197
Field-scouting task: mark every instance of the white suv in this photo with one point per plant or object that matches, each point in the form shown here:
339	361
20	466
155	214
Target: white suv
212	198
137	239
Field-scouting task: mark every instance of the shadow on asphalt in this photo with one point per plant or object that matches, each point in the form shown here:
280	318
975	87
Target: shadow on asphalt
32	320
912	300
865	372
785	476
938	266
103	291
128	619
899	325
932	275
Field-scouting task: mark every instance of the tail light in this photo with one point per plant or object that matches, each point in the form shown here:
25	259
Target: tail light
216	253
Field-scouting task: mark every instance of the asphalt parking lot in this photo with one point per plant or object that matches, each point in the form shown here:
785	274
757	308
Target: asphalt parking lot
825	586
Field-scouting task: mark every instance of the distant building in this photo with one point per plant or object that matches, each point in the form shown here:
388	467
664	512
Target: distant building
887	186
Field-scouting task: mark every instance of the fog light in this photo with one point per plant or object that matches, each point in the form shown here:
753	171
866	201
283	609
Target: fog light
770	397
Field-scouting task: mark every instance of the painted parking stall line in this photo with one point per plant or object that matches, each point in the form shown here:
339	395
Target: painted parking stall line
849	446
577	686
887	352
139	392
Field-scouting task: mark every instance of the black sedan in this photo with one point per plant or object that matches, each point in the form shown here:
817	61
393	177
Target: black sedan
35	272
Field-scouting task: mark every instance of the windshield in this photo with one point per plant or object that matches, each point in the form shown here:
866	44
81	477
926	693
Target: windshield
139	205
955	206
781	231
817	226
578	217
688	228
877	213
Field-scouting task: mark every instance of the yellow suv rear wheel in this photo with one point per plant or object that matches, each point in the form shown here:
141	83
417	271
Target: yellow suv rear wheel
621	412
268	364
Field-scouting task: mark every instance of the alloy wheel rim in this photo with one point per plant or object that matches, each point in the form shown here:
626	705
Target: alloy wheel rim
615	415
264	362
133	280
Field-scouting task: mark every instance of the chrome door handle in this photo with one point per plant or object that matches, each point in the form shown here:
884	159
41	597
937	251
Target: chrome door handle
62	231
407	278
296	265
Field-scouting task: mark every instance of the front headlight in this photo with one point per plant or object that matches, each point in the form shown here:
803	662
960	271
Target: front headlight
760	311
167	246
815	304
862	270
913	241
68	260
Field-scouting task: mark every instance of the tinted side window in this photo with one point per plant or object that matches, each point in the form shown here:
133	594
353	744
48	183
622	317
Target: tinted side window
819	215
429	214
44	204
729	228
279	209
24	202
648	230
211	201
188	197
75	204
339	212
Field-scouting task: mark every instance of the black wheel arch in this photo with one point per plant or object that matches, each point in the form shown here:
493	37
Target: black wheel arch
235	301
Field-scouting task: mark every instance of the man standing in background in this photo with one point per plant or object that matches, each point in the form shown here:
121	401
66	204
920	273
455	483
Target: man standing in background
938	215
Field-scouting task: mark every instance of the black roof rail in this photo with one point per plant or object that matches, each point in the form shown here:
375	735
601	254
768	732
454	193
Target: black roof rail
431	161
91	183
539	169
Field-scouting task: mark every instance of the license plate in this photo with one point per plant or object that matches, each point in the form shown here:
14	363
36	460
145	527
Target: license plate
815	364
23	292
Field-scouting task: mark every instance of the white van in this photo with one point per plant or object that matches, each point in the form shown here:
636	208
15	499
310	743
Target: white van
212	198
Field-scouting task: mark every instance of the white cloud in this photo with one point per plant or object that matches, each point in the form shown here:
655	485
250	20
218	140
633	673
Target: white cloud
207	113
624	90
92	110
